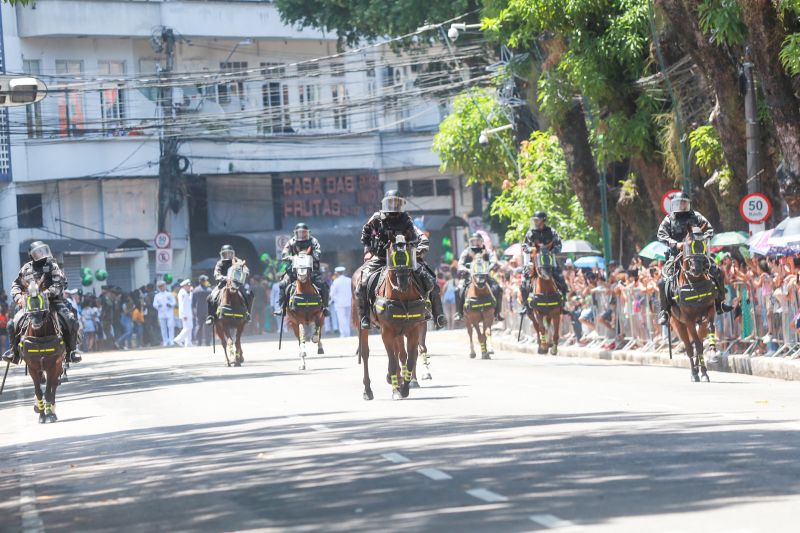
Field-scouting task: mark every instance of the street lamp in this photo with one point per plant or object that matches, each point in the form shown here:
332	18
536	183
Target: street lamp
458	27
21	90
483	139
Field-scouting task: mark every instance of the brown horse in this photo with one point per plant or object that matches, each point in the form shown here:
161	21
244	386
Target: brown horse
479	306
305	306
694	306
42	348
232	314
399	311
544	303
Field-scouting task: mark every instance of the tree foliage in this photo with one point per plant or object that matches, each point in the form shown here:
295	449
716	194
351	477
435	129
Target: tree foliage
544	185
457	140
708	154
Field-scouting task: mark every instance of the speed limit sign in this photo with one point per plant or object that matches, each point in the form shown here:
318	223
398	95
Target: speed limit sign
755	208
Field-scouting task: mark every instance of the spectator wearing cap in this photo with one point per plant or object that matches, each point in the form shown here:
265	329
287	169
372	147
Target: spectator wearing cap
202	331
185	314
342	299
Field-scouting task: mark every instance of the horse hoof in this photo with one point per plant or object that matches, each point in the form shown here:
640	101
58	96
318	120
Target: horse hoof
414	384
472	355
320	351
553	351
705	379
52	418
42	418
541	351
368	395
696	378
237	363
485	355
427	376
302	366
405	390
36	409
396	395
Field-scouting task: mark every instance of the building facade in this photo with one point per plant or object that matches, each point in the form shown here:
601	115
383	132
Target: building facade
271	126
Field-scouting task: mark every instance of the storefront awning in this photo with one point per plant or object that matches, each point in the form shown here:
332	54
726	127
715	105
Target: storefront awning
335	238
88	246
444	222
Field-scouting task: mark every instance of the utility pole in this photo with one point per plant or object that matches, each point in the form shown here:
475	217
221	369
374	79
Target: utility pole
602	184
752	133
168	141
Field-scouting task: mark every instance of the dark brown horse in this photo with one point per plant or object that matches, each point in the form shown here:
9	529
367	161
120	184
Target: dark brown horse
42	348
232	314
399	311
305	306
544	303
694	306
479	306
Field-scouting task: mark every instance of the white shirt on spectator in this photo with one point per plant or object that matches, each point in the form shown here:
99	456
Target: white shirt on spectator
185	304
341	291
164	302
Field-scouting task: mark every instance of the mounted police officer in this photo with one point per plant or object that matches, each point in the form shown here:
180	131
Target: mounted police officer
673	231
437	309
476	248
227	256
43	266
541	235
302	241
376	236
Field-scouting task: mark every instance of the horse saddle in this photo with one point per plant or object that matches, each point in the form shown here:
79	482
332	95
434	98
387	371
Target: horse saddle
695	295
399	310
544	302
50	346
304	302
479	303
231	311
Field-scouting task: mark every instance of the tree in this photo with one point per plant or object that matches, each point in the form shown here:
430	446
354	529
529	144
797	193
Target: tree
457	142
543	185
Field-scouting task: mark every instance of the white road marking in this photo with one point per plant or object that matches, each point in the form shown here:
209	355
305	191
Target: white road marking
31	522
396	457
319	427
434	474
487	495
551	521
352	442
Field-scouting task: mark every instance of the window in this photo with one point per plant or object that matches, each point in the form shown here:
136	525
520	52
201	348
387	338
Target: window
275	101
112	97
443	187
337	70
422	188
33	113
308	96
372	93
226	92
70	103
404	188
29	211
340	103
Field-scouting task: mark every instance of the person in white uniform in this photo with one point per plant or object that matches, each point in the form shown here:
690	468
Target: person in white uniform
342	298
185	314
164	304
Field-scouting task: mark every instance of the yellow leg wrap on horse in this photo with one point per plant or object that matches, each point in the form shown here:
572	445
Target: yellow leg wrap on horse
40	404
407	375
48	408
395	384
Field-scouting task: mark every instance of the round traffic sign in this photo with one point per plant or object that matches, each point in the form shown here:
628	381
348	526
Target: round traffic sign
162	240
755	208
666	199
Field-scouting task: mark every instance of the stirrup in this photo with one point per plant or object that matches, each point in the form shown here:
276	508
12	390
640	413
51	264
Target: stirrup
325	312
9	356
458	316
75	356
663	318
440	322
365	323
209	320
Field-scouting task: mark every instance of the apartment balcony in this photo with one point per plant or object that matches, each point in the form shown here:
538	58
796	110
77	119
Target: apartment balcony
138	18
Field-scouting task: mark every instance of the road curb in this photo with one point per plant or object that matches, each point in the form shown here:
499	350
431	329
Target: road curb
765	367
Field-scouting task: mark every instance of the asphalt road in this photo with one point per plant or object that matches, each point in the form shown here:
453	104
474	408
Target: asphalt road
172	440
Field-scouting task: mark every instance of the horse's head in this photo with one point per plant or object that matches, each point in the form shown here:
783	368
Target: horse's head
37	305
401	261
237	274
544	263
479	271
696	263
303	265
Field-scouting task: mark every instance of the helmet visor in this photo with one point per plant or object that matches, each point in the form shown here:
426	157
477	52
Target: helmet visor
227	254
41	252
302	234
393	204
476	242
537	222
681	205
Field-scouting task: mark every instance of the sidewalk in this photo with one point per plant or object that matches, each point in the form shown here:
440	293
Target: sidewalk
766	367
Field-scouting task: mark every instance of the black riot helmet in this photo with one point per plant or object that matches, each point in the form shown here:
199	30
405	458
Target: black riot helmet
39	252
227	252
538	220
301	232
423	246
476	242
681	204
393	203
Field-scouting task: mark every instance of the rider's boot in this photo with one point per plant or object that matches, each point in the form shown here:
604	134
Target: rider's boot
281	303
663	314
212	312
75	356
524	293
439	320
325	300
363	308
69	331
497	293
12	355
722	307
459	304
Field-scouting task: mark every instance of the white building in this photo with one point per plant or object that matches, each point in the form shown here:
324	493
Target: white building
269	134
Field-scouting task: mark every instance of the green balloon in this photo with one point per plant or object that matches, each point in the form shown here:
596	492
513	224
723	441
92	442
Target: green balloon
86	280
101	275
168	278
86	271
448	257
446	243
264	257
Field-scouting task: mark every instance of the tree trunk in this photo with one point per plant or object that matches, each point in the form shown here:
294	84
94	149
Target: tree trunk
722	76
573	137
766	34
654	181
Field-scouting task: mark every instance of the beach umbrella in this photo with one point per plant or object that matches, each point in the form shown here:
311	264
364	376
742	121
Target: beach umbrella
729	238
578	247
591	261
654	250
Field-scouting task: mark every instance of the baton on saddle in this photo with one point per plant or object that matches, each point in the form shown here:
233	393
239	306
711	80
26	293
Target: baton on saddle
669	339
3	386
280	332
519	333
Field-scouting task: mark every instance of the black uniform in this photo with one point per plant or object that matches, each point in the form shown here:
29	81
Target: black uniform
437	309
311	247
464	265
221	277
547	237
377	235
53	286
673	231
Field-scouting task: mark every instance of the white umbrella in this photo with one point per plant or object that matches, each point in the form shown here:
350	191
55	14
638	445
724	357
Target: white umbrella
787	232
578	247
